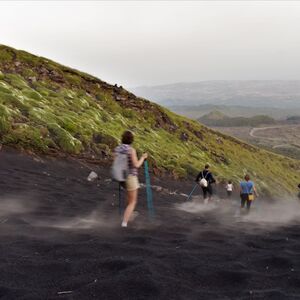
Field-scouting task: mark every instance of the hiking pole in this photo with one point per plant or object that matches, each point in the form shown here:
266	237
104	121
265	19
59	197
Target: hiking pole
148	190
120	199
191	193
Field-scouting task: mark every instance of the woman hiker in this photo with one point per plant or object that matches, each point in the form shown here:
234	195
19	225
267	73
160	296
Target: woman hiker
131	182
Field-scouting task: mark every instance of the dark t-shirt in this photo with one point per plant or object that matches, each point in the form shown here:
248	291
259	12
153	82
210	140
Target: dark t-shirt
207	175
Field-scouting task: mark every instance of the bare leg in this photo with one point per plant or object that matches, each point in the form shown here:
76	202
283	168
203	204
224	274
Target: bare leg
131	203
205	198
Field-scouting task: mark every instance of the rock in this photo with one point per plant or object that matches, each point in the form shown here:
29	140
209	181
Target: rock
56	76
120	98
184	137
43	71
219	140
32	79
173	128
198	134
17	64
92	176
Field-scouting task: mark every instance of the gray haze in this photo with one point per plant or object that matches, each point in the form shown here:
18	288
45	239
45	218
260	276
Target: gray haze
283	94
150	43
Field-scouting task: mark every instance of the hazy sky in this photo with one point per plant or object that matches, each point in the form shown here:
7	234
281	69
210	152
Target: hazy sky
144	43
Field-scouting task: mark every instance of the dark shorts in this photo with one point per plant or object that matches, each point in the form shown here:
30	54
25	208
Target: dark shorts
245	200
207	191
229	193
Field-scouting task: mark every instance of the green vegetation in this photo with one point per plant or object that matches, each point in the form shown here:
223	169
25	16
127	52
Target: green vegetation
47	107
218	119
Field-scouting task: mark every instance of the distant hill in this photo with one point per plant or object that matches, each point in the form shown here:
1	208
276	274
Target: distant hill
218	119
268	93
49	108
214	115
197	111
293	119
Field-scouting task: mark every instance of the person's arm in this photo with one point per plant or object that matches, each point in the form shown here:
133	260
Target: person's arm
212	179
135	161
198	177
240	188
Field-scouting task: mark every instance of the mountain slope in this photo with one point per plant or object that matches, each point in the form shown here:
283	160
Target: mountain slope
50	108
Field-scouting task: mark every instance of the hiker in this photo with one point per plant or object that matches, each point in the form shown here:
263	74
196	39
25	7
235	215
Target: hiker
130	172
247	191
229	189
205	180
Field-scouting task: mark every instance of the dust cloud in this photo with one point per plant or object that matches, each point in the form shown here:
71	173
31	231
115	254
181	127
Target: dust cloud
264	214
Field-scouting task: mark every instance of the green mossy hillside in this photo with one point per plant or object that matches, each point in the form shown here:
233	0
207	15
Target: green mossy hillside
50	108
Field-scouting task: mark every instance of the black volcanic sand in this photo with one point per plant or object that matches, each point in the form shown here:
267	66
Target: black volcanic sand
60	238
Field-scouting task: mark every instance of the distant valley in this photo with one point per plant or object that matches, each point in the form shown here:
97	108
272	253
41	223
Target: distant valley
263	113
282	136
281	139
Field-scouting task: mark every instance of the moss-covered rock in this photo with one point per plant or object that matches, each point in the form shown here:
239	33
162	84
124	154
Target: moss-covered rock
64	139
5	125
27	137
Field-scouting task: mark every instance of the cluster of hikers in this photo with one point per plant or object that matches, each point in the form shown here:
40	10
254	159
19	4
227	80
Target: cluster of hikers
125	171
247	188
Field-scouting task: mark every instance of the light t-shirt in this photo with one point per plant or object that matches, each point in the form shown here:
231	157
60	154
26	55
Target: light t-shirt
229	187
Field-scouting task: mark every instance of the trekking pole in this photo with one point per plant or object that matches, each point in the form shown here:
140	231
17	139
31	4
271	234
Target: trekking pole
191	193
120	199
149	191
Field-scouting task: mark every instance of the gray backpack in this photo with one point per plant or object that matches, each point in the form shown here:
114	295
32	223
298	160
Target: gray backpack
120	167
